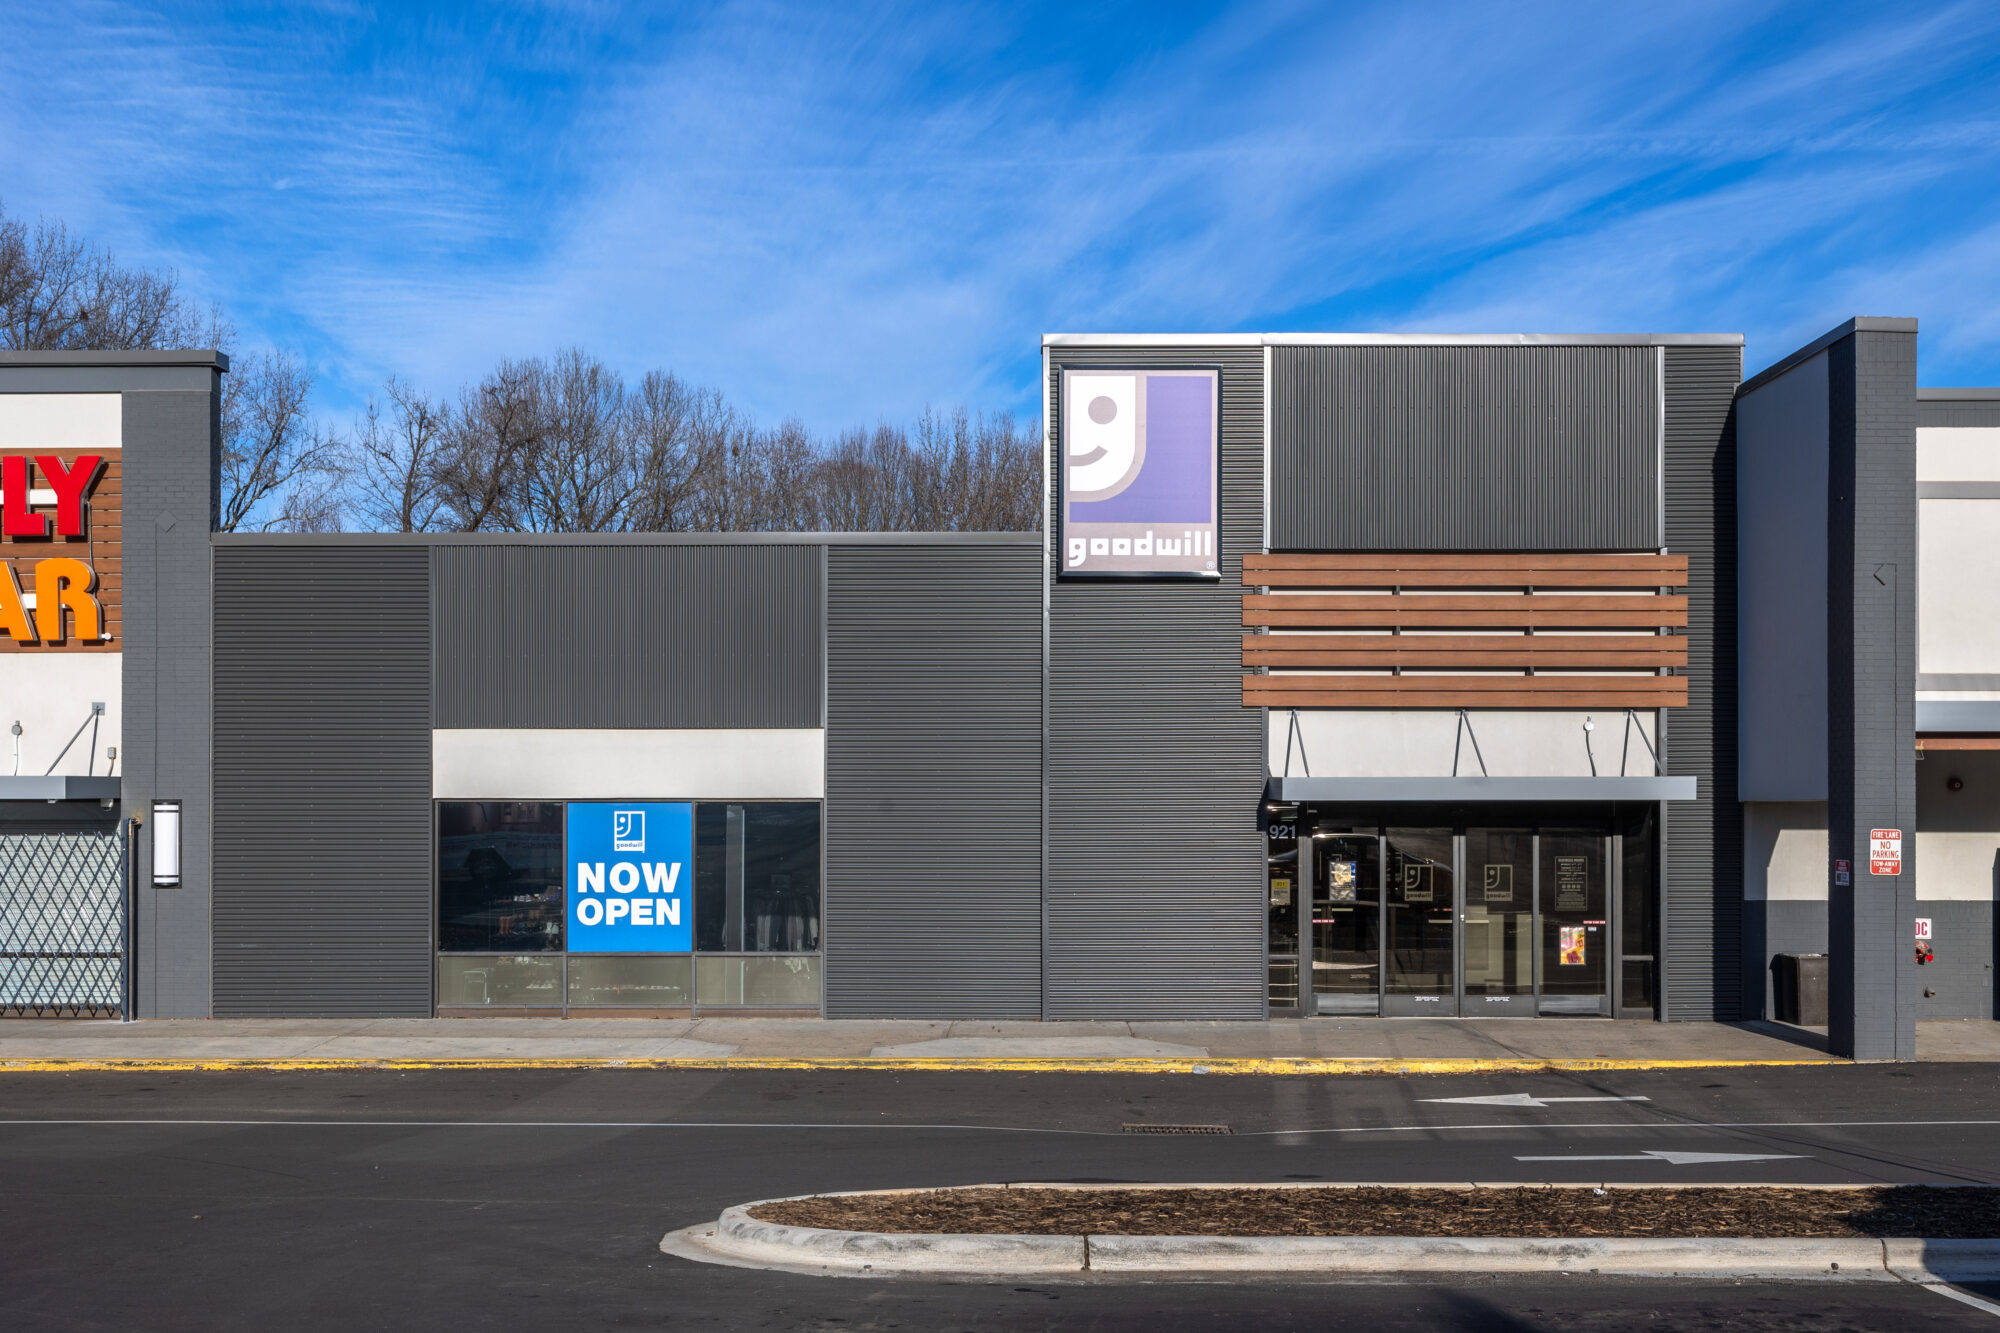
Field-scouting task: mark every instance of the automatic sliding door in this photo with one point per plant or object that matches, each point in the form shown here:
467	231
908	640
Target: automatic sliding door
1421	909
1346	870
1499	947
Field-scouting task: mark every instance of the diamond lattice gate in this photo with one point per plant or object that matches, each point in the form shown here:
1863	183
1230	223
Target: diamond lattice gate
62	923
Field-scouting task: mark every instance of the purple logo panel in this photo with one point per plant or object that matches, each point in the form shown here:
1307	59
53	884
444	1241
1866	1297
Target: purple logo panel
1139	453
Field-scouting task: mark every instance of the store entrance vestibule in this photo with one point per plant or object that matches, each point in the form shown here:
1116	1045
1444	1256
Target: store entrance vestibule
1497	914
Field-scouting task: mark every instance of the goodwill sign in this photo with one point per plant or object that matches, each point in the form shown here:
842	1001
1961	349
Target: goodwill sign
630	869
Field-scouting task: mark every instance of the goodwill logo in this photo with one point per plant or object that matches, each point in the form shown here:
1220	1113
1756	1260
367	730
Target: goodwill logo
629	868
1139	454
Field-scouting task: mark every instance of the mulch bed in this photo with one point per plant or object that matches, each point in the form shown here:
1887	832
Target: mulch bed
1924	1211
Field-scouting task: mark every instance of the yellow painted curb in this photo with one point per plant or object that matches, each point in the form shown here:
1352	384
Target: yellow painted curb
996	1065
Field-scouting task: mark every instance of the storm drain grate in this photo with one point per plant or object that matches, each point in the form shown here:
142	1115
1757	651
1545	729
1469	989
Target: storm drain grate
1176	1129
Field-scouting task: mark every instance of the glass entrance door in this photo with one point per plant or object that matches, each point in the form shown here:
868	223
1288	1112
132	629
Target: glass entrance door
1575	897
1407	918
1346	895
1499	946
1420	913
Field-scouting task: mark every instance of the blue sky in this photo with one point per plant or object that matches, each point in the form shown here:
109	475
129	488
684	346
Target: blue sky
843	212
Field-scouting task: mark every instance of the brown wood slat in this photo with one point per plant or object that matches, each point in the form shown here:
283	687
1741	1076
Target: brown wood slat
1580	699
1464	578
1465	684
1464	692
1420	658
1285	619
1677	564
1632	605
1476	643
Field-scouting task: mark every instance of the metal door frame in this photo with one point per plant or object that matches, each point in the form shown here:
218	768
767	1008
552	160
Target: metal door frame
1301	954
1527	1005
1448	1003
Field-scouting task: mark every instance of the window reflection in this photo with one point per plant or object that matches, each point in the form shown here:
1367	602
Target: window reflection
757	877
500	877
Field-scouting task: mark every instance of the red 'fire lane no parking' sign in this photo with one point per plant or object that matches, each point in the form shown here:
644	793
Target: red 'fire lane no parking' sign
1885	851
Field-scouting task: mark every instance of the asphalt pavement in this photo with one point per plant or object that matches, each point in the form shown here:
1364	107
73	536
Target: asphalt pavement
500	1199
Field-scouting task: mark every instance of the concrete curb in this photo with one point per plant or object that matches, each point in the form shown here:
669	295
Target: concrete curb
1303	1066
740	1240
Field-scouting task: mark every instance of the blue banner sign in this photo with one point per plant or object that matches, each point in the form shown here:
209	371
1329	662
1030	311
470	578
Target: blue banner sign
631	877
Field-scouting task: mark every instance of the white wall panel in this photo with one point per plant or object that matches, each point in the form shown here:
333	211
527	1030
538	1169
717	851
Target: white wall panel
1958	453
60	421
1784	851
1417	743
549	764
50	695
1958	586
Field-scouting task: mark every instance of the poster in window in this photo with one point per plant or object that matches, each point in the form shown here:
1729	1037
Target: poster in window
1340	881
1281	892
1570	946
1498	883
1416	882
1572	883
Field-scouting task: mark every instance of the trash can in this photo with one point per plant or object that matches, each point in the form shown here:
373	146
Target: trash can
1800	988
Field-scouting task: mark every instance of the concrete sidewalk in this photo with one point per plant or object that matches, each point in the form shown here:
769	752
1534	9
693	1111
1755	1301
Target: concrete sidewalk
1308	1045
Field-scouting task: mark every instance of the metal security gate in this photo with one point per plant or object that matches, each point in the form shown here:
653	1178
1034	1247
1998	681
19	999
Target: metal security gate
63	923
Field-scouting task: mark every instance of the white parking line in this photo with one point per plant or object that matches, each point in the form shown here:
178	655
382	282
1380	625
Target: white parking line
1964	1297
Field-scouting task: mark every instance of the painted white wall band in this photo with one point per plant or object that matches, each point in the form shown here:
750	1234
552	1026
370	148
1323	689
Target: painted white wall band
60	421
551	765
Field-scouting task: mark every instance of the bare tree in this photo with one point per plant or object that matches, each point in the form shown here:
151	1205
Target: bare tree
679	440
58	293
280	470
397	463
489	448
579	475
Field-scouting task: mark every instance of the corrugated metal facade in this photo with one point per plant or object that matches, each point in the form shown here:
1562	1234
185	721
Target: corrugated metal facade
1702	893
1154	769
1464	448
662	636
933	756
322	781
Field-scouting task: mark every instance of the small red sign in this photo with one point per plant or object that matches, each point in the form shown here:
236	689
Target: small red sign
1885	851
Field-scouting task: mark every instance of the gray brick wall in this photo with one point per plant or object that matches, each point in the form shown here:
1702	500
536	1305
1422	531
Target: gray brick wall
1871	686
170	445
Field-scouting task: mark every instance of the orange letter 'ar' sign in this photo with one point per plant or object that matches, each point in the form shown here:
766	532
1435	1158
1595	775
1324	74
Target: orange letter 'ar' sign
60	584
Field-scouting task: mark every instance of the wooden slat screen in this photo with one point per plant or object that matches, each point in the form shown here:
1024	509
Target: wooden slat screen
1411	631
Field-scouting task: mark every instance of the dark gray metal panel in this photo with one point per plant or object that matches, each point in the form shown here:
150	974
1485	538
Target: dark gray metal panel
1154	768
1959	412
628	636
170	444
1702	885
933	769
322	782
1871	688
1962	974
1466	448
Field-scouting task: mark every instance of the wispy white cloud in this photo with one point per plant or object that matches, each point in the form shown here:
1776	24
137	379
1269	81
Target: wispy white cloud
845	212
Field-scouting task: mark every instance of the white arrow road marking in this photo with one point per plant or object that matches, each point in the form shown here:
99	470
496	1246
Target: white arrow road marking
1528	1099
1677	1158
